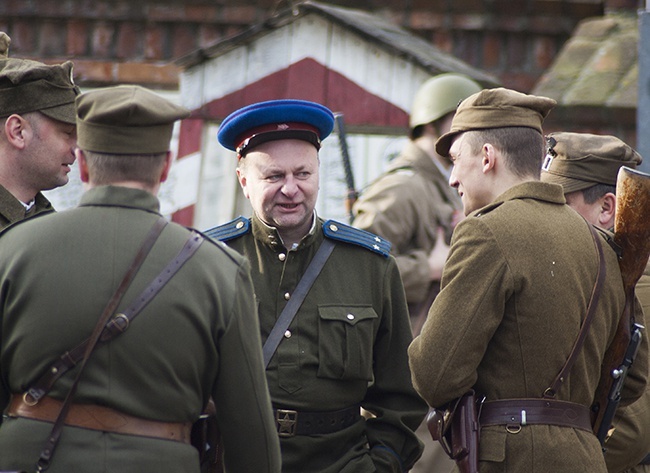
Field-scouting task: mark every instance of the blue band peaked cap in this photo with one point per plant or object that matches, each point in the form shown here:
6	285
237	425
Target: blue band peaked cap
237	124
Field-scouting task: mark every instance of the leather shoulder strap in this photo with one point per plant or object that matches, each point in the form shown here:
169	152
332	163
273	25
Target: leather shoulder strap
552	390
53	439
117	324
290	310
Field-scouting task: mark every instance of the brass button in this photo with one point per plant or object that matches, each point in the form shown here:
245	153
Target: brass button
287	334
287	296
282	256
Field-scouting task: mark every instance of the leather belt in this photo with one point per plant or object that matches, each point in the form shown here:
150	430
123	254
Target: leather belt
515	413
94	417
290	422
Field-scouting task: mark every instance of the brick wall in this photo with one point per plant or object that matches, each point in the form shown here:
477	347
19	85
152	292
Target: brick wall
137	40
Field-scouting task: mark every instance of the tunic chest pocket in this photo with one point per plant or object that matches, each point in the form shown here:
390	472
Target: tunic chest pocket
345	342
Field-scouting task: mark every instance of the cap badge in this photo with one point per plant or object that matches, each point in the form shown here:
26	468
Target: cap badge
550	154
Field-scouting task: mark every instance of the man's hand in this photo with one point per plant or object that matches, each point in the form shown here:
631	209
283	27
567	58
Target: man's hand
438	255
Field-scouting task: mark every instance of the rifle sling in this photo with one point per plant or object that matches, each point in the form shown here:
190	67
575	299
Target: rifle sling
552	390
302	289
190	247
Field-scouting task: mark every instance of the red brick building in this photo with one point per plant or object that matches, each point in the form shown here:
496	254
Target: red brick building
136	41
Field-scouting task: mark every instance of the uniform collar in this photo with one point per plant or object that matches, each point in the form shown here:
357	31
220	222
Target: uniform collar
536	190
14	210
270	235
116	196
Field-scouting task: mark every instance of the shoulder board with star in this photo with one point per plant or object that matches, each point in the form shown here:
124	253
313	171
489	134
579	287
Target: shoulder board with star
346	233
230	230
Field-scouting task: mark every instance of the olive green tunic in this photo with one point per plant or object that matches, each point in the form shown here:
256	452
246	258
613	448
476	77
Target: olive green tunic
407	205
330	361
514	290
12	211
197	338
630	441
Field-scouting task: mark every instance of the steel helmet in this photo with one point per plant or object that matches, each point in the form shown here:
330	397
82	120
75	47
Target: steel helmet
440	95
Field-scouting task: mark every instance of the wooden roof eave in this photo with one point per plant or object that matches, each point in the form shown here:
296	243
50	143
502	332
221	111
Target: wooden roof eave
389	37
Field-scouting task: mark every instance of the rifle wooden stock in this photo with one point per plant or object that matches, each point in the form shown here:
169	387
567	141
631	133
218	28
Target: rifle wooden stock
632	235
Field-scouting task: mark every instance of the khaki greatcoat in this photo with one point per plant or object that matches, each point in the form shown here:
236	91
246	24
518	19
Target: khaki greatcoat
514	290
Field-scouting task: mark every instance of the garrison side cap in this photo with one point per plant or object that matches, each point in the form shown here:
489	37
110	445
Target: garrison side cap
275	120
578	161
348	234
126	119
230	230
31	86
496	108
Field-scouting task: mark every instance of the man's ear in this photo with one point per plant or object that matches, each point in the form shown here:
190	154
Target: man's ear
83	165
488	159
241	177
167	167
18	130
607	211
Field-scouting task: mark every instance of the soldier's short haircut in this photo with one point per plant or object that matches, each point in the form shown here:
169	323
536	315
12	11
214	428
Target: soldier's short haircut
105	169
522	147
595	192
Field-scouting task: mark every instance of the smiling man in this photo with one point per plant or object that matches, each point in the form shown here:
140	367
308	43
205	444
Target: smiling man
515	289
37	135
345	346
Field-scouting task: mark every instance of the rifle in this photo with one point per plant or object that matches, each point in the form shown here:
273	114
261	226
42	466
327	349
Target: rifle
351	194
632	235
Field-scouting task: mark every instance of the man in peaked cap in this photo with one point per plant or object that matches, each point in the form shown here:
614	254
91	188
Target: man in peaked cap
197	338
38	133
586	166
345	346
515	288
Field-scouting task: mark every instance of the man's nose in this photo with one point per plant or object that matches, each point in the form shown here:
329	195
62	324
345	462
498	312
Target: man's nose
453	182
290	186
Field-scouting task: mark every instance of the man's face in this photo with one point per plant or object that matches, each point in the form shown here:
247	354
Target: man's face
280	178
467	176
49	154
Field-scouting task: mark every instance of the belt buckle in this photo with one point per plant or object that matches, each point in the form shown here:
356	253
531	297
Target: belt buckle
286	421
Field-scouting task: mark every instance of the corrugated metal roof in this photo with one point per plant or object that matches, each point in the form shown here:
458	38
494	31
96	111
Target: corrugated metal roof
373	28
597	67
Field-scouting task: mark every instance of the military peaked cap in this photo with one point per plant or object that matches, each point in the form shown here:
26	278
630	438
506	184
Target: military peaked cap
255	124
126	119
